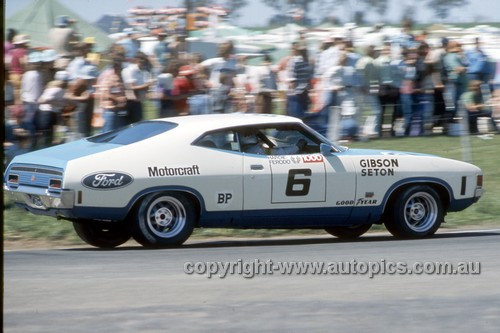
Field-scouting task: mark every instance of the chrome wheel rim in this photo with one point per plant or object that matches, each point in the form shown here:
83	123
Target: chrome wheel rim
421	211
166	216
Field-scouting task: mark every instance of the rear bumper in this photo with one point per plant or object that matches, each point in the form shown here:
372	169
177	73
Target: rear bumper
40	199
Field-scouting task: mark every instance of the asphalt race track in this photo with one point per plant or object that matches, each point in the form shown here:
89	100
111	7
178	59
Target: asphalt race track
138	290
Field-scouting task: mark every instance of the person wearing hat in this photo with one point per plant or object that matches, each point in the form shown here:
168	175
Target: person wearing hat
49	57
31	90
81	94
18	63
62	36
91	57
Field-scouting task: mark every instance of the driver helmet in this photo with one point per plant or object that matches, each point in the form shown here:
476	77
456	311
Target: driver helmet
249	138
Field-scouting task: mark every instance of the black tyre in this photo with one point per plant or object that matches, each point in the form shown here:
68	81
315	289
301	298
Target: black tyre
350	232
416	212
105	235
164	219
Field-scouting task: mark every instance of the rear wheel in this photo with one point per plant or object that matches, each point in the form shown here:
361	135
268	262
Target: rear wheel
105	235
350	232
417	212
164	219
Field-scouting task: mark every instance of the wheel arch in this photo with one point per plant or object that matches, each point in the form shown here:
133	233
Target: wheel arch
190	194
442	189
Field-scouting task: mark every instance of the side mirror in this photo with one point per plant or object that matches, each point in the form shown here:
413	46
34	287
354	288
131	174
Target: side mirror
326	150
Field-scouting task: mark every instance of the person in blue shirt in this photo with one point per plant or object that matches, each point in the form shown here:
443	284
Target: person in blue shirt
478	67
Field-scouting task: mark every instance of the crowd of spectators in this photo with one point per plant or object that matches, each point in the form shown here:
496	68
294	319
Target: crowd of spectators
67	91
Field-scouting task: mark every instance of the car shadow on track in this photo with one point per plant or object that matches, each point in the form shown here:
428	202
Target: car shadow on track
300	240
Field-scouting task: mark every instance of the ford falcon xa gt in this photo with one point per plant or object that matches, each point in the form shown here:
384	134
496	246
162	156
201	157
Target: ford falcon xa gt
157	180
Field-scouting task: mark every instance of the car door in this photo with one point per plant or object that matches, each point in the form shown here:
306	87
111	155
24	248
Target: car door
285	180
280	176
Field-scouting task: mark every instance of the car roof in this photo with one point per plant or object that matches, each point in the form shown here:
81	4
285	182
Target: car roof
210	122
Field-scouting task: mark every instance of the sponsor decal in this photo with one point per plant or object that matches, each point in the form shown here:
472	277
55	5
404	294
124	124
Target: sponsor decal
366	202
107	180
369	195
171	172
345	203
378	166
312	158
224	198
279	160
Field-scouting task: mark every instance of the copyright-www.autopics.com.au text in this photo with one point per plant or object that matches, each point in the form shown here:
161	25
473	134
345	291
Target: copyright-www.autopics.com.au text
258	267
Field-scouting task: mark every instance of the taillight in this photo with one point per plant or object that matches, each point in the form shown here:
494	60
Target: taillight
55	184
13	179
480	181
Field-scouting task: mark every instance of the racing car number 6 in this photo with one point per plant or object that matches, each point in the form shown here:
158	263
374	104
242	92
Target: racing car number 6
293	181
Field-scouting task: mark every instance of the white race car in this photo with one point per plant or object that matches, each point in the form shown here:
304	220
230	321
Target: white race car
157	180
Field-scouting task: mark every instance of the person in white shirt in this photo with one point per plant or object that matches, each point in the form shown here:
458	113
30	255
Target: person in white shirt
51	102
31	90
137	80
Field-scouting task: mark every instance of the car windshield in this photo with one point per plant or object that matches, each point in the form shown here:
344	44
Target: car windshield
133	133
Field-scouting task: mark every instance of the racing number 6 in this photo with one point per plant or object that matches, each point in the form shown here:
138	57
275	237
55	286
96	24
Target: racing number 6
292	181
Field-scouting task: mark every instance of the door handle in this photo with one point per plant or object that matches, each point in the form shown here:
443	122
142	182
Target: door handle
256	167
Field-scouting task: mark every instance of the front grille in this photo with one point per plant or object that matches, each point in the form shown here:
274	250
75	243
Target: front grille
35	175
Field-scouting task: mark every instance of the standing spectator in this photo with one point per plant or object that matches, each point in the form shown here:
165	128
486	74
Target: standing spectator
225	62
423	95
129	44
18	63
91	57
299	76
476	106
81	93
455	67
408	78
8	46
62	37
340	79
164	90
137	82
369	79
183	88
113	99
48	70
478	67
388	81
160	52
266	86
221	95
51	103
78	62
31	90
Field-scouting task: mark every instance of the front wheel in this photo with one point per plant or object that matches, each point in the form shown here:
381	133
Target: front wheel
350	232
105	235
164	219
417	212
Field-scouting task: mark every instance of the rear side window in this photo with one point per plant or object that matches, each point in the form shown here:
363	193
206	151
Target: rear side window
225	140
133	133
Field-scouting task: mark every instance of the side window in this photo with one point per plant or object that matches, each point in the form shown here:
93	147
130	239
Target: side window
291	142
225	140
